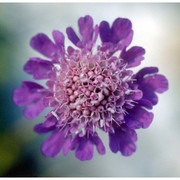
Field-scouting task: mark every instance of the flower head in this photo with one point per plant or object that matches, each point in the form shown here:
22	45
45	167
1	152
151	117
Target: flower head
89	88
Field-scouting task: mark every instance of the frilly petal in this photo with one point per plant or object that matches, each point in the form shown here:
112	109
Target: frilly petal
99	144
58	38
40	69
72	36
59	41
114	142
85	150
145	71
123	140
121	32
105	31
145	103
139	118
31	96
34	109
48	125
133	56
54	144
121	28
43	44
151	83
84	146
158	82
148	93
86	29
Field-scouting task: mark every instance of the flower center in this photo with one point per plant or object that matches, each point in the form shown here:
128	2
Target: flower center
93	92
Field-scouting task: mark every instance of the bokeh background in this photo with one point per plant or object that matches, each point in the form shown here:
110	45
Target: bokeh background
156	28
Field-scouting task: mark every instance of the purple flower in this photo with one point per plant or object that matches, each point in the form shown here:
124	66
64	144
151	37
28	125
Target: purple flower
89	88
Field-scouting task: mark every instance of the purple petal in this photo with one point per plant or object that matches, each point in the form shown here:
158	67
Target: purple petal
158	82
53	145
46	126
85	146
99	144
84	150
128	137
31	96
120	30
139	118
72	36
40	69
26	93
150	82
86	28
75	142
34	109
43	44
58	38
123	139
133	56
145	103
125	42
148	93
145	71
104	30
120	34
128	149
114	142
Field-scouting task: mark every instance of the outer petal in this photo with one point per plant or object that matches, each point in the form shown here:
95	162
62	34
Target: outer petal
105	31
72	36
59	40
145	103
138	118
84	150
114	142
26	93
31	96
86	28
99	144
150	82
121	28
40	69
43	44
121	31
145	71
123	140
48	125
133	56
85	146
125	42
53	145
158	82
148	93
34	109
127	144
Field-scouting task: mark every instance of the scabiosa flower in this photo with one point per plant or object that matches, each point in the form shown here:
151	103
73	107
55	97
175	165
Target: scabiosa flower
89	88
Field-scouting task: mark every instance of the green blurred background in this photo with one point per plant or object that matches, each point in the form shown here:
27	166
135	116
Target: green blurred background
156	28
